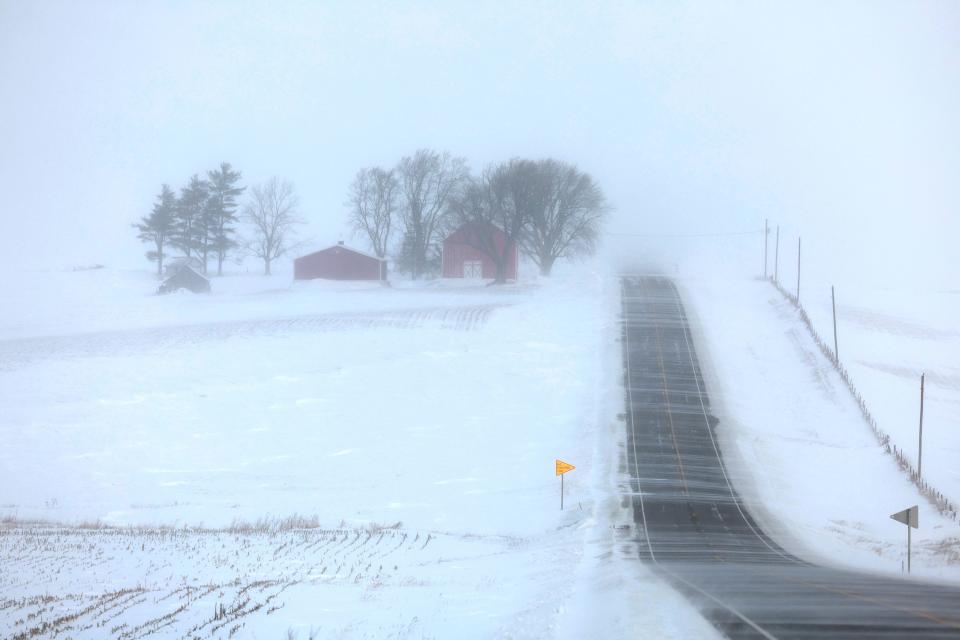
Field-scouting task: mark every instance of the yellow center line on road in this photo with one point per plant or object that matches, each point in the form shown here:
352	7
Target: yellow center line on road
954	624
666	399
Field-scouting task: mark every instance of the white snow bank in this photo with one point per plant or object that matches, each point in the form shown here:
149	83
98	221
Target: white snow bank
797	445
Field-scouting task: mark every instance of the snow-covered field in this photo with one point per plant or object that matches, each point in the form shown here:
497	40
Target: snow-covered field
410	433
366	462
887	338
55	303
395	409
799	448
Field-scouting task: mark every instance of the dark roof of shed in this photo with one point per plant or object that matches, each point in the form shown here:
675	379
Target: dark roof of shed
343	246
188	271
185	277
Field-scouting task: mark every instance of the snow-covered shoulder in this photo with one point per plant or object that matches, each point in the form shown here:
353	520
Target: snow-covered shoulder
796	443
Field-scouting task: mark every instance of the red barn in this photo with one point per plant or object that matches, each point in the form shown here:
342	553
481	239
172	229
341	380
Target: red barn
339	263
462	258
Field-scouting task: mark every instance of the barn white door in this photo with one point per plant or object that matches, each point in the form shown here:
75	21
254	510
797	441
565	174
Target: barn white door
473	269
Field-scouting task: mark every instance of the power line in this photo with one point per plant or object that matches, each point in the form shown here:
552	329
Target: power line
686	235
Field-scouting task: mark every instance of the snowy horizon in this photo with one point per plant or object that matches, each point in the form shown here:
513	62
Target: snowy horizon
835	122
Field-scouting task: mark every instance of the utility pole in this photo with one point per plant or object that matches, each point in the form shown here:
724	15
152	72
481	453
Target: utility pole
798	271
766	235
836	350
776	258
920	448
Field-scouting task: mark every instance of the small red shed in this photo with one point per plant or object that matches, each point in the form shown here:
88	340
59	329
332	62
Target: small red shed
463	259
339	263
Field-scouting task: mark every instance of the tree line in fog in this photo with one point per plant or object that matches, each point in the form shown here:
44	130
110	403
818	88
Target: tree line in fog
548	208
200	222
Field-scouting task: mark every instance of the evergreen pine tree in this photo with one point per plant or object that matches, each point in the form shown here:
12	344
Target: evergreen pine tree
208	215
188	232
222	210
409	260
159	225
405	257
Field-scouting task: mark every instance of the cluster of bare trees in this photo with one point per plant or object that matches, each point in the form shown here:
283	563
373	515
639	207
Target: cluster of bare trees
549	208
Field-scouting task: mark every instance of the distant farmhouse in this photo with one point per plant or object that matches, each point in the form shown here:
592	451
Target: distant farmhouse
182	275
462	258
339	263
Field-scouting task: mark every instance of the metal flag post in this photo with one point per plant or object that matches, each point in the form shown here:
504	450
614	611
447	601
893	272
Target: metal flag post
562	468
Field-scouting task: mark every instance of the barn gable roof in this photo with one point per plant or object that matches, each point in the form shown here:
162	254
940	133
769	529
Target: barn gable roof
350	249
459	235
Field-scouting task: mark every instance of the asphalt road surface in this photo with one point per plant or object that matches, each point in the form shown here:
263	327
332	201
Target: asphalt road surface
695	530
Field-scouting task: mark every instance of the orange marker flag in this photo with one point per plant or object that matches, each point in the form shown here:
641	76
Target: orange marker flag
563	467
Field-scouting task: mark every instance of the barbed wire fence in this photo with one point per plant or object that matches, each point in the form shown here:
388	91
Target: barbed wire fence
933	495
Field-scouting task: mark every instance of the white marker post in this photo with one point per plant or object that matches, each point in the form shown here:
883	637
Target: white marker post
909	517
776	258
766	237
920	444
798	271
836	349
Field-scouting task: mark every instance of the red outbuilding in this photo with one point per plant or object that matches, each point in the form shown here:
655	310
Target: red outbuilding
462	257
339	263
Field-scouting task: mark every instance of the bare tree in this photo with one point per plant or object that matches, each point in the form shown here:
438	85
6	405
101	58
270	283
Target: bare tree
373	203
497	209
428	181
568	220
272	213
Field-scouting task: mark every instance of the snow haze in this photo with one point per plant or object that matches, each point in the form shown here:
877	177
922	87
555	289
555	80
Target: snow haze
835	121
290	457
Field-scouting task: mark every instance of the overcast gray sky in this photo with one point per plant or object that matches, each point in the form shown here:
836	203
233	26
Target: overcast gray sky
835	119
